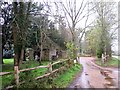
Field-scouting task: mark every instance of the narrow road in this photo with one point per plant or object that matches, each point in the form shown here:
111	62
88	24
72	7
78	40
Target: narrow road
94	76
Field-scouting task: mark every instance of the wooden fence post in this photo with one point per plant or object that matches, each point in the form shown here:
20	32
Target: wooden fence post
16	73
50	67
103	58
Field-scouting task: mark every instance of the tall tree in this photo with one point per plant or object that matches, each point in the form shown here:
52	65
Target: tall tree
74	14
21	12
106	21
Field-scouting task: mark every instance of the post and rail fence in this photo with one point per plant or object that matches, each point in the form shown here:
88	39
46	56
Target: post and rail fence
17	71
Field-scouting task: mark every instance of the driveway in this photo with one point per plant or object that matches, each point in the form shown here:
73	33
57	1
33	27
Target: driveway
94	76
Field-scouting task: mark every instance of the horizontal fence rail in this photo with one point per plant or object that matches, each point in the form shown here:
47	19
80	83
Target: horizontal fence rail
60	62
5	73
23	70
45	75
49	66
29	69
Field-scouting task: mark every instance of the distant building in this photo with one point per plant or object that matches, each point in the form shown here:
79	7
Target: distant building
50	51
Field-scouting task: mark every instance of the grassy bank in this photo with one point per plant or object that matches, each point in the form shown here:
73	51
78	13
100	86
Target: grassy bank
114	62
60	79
63	80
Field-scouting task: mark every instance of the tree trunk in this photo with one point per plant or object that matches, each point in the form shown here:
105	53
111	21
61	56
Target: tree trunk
109	51
21	56
41	48
17	26
2	62
74	50
24	59
16	56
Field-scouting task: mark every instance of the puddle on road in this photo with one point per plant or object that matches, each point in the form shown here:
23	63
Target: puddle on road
87	79
109	82
84	81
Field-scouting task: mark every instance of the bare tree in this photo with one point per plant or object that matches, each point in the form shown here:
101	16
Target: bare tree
74	14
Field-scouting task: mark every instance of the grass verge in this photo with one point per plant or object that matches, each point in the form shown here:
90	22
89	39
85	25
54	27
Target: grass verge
64	79
60	79
114	62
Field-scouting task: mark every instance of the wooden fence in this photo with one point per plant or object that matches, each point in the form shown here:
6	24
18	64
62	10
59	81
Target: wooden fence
49	66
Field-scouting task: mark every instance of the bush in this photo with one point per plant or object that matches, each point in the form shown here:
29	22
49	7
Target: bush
99	53
71	50
56	66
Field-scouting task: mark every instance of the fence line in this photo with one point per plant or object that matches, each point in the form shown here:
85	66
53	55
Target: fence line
5	73
45	75
49	66
59	62
23	70
29	69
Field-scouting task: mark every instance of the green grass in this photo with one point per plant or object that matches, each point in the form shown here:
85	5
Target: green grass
31	64
7	80
8	66
60	79
8	61
114	62
63	80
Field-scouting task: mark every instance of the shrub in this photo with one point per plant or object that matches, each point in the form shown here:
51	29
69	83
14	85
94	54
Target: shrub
99	53
71	49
